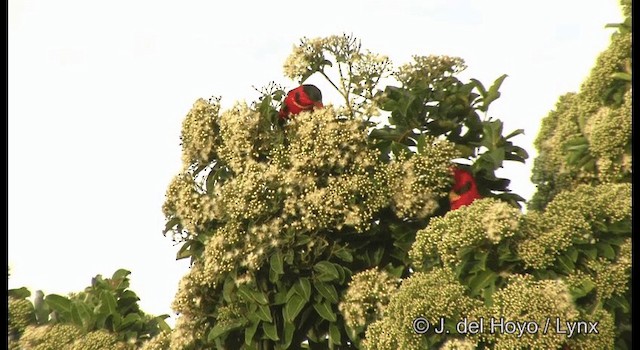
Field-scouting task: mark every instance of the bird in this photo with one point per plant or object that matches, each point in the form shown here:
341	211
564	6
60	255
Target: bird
464	190
303	98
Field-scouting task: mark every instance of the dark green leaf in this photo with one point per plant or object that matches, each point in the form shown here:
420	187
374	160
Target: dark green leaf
479	86
293	307
120	274
162	324
270	331
514	133
227	289
280	297
19	293
481	281
480	262
572	253
334	334
260	297
108	301
606	250
59	303
565	264
245	293
326	271
184	251
170	225
219	330
327	290
583	289
129	320
276	262
590	252
343	254
324	310
264	313
75	315
619	302
250	332
289	330
303	288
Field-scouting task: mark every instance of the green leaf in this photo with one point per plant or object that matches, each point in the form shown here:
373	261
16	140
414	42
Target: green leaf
583	289
245	293
572	253
250	332
109	304
480	263
497	83
75	315
421	143
270	331
303	288
565	264
129	320
120	274
621	76
326	271
495	157
280	297
184	251
227	289
590	252
293	307
276	262
481	281
219	330
514	133
328	291
606	250
479	86
260	297
334	334
619	302
264	313
19	293
170	225
289	330
59	303
324	310
162	324
343	254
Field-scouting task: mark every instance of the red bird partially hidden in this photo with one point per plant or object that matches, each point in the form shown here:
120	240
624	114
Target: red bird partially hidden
303	98
464	190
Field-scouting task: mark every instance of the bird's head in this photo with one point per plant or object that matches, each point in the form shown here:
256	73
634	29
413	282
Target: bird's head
314	94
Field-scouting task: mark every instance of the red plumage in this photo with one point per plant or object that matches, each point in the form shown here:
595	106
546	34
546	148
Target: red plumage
302	98
464	190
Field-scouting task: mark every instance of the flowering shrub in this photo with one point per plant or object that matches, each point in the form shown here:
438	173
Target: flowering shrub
104	315
331	230
299	231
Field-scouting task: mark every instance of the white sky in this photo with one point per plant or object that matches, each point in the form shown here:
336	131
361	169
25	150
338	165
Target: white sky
98	91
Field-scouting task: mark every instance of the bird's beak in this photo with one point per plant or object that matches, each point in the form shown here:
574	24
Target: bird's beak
318	104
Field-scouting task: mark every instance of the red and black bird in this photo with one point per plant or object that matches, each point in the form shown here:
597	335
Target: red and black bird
303	98
464	190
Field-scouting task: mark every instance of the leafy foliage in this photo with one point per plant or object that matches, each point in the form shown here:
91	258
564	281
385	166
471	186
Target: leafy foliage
279	217
587	138
107	307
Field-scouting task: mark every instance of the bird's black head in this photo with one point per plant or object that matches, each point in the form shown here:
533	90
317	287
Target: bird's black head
313	92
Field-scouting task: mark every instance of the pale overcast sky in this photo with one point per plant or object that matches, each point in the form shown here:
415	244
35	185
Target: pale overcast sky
98	91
